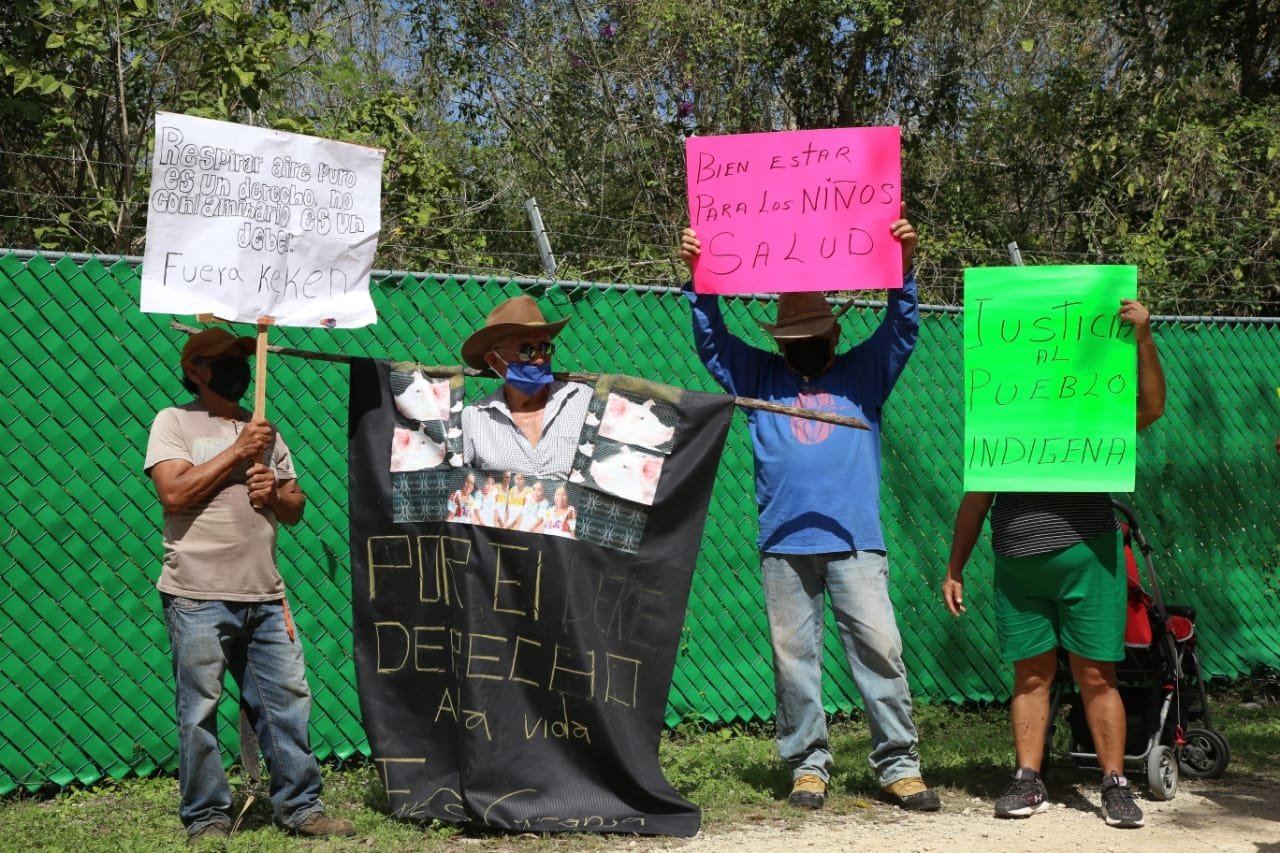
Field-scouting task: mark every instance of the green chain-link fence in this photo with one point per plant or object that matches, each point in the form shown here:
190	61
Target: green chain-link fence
85	685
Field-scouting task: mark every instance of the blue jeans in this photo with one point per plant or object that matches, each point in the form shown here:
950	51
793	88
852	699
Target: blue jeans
858	585
249	639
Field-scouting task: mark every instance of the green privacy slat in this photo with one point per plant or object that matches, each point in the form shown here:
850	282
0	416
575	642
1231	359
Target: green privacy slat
85	372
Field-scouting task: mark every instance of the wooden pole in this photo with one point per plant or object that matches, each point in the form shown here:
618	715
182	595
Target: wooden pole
250	748
446	371
260	370
260	380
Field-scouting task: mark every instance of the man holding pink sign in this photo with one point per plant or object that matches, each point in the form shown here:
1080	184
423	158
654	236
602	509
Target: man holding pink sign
817	485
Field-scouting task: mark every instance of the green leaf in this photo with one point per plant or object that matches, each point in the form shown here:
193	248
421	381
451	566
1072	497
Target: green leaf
47	84
55	40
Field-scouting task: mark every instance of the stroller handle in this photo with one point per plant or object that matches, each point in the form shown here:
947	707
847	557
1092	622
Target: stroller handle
1127	511
1135	534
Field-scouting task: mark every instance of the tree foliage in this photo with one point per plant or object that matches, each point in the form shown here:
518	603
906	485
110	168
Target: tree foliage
83	80
1086	132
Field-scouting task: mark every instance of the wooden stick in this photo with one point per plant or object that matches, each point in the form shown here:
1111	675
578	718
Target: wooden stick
260	383
444	371
260	370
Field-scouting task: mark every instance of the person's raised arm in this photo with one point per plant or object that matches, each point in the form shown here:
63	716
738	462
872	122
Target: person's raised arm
1151	385
969	517
732	363
891	344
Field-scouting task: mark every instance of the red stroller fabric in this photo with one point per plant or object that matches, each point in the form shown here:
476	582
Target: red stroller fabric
1137	626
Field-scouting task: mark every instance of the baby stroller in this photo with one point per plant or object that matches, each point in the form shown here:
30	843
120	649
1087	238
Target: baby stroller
1166	709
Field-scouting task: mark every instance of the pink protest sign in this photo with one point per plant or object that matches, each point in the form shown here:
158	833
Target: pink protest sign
798	210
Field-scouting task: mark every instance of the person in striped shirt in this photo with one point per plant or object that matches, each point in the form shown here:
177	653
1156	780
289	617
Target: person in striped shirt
1060	581
530	425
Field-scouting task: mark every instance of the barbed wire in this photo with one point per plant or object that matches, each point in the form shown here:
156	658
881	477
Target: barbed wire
572	236
631	246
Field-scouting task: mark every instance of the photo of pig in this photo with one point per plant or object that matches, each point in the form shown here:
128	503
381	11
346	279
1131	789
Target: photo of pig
628	421
426	399
414	450
427	428
625	472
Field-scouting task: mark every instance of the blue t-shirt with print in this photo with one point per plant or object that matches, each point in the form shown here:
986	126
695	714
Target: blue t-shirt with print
817	484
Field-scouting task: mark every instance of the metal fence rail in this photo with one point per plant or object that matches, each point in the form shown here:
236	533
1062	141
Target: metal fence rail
85	681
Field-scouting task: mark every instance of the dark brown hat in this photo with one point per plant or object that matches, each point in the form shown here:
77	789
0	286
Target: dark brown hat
803	314
215	342
518	314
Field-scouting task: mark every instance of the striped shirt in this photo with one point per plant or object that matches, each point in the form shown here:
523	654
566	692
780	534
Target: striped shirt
491	440
1027	523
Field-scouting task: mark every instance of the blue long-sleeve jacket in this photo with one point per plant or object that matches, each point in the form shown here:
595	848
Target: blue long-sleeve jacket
817	484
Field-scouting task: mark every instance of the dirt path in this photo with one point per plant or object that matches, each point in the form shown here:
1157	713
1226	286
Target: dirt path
1228	815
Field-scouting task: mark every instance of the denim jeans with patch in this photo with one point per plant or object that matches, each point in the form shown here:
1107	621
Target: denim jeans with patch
249	639
858	585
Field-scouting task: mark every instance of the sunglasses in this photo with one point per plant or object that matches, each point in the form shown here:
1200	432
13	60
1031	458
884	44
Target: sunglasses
529	352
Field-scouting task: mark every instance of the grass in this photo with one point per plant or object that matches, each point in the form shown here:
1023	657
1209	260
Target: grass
731	772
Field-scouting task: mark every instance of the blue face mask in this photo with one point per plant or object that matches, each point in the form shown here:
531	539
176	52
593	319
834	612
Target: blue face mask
528	377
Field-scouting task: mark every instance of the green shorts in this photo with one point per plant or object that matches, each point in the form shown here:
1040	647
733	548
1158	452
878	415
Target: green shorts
1074	598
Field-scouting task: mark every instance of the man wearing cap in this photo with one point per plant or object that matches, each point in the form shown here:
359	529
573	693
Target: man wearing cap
529	425
818	494
225	481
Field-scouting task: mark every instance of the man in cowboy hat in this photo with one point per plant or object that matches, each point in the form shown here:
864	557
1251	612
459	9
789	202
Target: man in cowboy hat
531	423
818	493
223	597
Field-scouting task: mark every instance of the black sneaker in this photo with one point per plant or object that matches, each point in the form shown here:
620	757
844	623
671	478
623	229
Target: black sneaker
1119	805
1024	797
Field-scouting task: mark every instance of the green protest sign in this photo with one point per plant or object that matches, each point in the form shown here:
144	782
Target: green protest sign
1050	379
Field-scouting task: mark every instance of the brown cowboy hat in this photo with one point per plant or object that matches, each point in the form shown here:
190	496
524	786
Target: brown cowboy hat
804	314
215	343
518	314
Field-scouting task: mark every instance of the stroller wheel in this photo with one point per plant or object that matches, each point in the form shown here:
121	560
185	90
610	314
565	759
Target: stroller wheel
1162	773
1205	754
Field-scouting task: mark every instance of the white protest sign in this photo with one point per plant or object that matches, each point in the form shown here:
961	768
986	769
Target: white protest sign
245	223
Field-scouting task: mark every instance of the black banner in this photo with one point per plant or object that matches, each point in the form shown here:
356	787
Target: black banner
515	638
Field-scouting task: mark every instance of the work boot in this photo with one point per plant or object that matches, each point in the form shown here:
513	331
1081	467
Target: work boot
209	835
808	792
911	794
320	825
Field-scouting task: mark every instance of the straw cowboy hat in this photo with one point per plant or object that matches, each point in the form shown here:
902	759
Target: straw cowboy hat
801	315
518	314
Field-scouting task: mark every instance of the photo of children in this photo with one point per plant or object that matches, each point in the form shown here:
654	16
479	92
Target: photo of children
517	494
484	510
462	501
535	506
561	518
